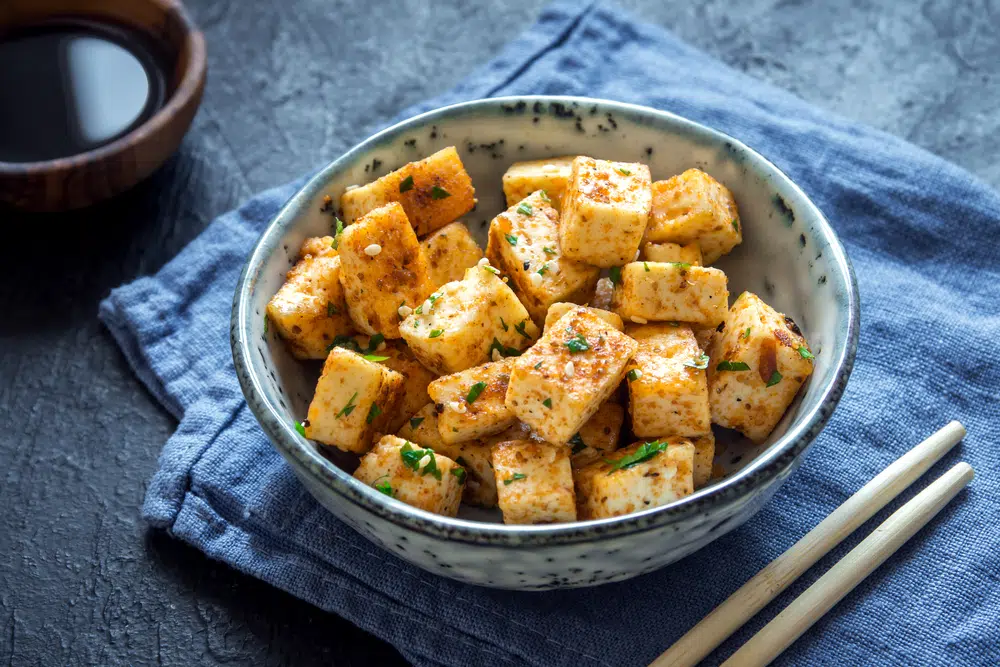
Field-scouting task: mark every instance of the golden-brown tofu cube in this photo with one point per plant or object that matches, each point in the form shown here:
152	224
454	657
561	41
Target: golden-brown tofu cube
417	476
534	482
557	310
704	458
474	455
466	321
759	361
605	210
384	270
673	252
550	175
470	403
524	244
308	311
433	192
561	381
694	207
416	377
667	385
662	292
354	399
599	436
450	251
640	476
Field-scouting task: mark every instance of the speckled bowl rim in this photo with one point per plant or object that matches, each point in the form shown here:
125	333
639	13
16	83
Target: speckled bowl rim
308	460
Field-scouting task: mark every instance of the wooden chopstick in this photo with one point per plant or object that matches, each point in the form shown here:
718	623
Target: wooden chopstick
841	579
741	606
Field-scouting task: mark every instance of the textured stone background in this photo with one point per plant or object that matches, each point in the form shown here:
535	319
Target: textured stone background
291	84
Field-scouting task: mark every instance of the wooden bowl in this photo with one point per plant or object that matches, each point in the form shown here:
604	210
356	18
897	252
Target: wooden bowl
80	180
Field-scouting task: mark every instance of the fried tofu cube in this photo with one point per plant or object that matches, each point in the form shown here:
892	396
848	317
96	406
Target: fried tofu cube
642	475
663	292
416	377
692	207
605	210
534	482
308	311
599	436
416	476
759	361
667	386
557	310
550	175
450	251
465	321
474	455
673	252
384	270
524	244
603	293
704	458
433	192
562	380
471	404
354	399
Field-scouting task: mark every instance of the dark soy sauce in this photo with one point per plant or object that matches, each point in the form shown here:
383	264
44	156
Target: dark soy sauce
70	85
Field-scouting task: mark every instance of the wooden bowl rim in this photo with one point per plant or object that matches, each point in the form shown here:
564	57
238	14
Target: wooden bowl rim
188	90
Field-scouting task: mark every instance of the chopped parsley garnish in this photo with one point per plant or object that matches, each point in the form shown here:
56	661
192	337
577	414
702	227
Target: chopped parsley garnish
338	231
645	265
437	192
406	184
385	487
700	362
519	328
545	197
348	342
349	408
459	473
623	171
300	428
578	444
511	239
513	478
547	402
475	391
538	365
736	224
545	267
503	350
416	421
524	209
683	266
374	357
673	323
462	462
803	352
615	273
774	379
435	333
644	452
746	334
577	344
548	251
373	412
726	365
412	458
504	325
331	309
634	374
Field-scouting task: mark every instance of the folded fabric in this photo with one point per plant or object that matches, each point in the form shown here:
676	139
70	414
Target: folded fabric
921	234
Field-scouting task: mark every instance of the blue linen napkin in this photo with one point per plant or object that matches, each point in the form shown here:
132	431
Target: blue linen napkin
921	234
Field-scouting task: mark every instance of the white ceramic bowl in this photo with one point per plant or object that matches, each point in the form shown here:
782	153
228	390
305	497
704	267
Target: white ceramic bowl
790	256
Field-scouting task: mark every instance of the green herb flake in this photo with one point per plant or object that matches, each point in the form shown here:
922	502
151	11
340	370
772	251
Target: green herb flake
700	362
462	462
645	452
437	192
538	365
406	184
634	374
412	458
623	171
374	357
774	379
519	328
645	265
513	478
374	342
577	344
503	350
511	239
805	354
525	209
548	251
545	197
504	325
373	412
331	309
459	473
416	421
578	444
385	487
615	274
736	225
545	267
475	391
673	323
435	333
349	408
547	403
683	266
746	334
338	231
300	428
726	365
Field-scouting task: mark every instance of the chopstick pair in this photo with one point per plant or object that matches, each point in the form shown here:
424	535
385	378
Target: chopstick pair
840	579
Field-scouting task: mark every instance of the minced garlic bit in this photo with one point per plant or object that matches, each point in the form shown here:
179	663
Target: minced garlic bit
484	261
373	250
457	406
381	347
424	462
496	355
351	187
569	369
639	320
536	279
404	311
426	306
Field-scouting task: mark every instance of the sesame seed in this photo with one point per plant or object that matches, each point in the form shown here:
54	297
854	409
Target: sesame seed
484	262
506	279
427	306
458	406
424	462
373	250
569	369
535	279
404	311
639	320
496	355
381	347
636	258
350	187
